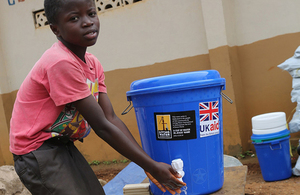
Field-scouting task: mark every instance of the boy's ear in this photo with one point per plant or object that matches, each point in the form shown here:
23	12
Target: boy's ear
55	29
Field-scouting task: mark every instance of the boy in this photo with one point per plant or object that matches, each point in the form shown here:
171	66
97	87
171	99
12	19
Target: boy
56	105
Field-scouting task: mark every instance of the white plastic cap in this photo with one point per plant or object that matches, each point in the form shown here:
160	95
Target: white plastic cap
177	164
269	123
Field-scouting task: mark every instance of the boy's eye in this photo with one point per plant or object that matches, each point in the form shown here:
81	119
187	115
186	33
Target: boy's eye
93	14
74	18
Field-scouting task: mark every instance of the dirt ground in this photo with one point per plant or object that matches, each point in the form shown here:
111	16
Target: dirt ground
108	172
255	185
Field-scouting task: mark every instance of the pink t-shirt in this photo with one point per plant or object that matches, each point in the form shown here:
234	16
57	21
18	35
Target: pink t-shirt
43	107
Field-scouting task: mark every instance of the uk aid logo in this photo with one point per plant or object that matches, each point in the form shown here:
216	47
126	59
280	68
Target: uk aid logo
209	118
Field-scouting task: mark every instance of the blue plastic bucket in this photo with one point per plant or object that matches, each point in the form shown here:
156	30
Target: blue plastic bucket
273	153
180	117
271	141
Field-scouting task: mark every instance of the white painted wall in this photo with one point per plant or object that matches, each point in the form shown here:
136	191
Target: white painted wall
140	34
3	77
262	19
21	43
146	32
214	23
150	31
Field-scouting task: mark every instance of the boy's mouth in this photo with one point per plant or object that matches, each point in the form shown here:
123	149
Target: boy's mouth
91	34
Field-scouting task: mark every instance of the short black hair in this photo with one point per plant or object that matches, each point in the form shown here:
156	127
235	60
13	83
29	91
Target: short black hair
52	8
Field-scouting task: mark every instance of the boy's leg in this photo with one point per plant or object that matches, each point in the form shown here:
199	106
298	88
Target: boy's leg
57	168
87	174
27	168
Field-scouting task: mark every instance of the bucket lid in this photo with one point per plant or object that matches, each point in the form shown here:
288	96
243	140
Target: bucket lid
177	82
269	137
268	121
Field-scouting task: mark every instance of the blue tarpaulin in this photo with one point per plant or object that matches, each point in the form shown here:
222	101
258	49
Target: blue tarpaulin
131	174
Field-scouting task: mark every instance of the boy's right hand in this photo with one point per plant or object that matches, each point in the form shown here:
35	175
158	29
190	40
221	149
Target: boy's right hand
167	179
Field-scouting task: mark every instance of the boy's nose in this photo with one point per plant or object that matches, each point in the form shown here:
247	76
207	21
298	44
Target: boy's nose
87	22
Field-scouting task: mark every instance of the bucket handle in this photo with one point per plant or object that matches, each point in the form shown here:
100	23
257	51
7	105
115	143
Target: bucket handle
275	144
226	97
131	106
127	109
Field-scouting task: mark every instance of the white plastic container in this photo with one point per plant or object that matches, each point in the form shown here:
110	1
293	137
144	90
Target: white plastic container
177	165
268	123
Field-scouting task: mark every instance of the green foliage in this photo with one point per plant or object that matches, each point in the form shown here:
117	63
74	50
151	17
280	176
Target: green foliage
124	161
294	148
114	161
94	162
247	153
107	162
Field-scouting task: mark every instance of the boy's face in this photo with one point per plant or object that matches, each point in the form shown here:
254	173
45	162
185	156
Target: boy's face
77	24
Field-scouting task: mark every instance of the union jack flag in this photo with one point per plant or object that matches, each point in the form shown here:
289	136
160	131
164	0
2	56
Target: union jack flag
209	111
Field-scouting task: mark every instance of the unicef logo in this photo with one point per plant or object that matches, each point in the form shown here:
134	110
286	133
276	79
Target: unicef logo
199	176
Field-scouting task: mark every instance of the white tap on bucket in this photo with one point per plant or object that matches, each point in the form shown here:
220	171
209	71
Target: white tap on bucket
177	165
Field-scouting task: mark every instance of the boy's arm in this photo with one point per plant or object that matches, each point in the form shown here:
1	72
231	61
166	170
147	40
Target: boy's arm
120	141
108	110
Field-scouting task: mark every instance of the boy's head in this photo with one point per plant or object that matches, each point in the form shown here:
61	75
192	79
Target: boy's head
74	22
52	9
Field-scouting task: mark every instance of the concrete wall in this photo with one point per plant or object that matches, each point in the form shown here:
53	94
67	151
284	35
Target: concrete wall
243	40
